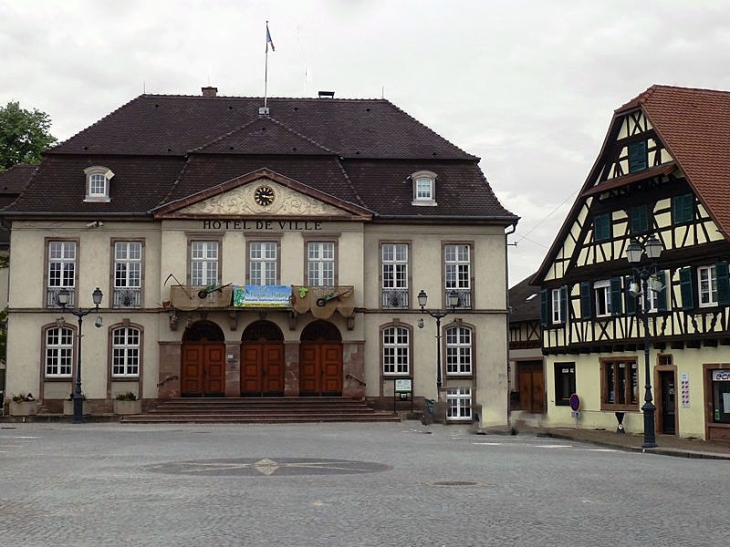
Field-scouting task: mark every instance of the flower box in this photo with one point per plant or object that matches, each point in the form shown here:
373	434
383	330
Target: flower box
128	407
24	408
68	408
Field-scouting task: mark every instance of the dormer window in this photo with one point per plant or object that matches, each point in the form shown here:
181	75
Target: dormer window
424	188
97	183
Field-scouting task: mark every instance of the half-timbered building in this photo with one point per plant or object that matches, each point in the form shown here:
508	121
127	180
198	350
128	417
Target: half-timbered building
249	251
527	375
663	174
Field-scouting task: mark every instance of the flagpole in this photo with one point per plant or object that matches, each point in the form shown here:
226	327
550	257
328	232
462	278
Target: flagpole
266	66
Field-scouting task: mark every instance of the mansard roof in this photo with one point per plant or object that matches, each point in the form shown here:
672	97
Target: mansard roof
694	125
163	149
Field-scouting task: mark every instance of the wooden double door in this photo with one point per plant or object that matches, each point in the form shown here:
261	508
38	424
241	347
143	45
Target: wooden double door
531	382
320	368
203	369
262	369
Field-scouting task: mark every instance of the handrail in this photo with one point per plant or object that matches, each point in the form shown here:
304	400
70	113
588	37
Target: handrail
173	377
350	376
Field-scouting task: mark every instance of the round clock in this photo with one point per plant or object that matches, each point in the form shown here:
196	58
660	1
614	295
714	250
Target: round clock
264	195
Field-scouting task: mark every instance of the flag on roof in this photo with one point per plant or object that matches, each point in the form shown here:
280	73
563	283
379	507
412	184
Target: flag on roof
268	39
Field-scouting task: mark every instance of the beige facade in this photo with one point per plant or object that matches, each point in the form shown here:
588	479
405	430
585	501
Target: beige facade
166	260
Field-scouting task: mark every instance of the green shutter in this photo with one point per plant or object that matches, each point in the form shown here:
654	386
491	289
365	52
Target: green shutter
637	157
683	208
616	296
723	286
630	299
585	300
639	219
686	287
563	304
602	227
544	307
662	296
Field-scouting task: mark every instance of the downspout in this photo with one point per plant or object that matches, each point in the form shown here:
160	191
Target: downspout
506	278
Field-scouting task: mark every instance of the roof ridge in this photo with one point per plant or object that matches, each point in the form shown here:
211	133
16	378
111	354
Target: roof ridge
471	156
97	122
253	97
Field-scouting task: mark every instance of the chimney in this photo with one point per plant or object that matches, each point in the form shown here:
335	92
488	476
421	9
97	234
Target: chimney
209	91
326	94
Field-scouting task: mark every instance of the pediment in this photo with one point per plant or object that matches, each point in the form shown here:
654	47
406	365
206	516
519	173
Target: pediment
261	194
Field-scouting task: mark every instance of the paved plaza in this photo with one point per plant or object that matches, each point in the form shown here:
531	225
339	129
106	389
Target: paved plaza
345	485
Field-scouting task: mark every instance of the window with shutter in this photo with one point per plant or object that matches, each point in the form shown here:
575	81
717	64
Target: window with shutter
639	219
637	157
683	208
616	296
686	289
628	297
723	288
602	227
585	300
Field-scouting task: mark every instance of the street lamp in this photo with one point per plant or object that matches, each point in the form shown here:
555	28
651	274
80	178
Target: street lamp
653	249
453	301
63	299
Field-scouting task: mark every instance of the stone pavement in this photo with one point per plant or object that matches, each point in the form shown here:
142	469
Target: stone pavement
668	445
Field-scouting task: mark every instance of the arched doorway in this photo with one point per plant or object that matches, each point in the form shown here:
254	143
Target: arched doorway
203	368
262	360
320	360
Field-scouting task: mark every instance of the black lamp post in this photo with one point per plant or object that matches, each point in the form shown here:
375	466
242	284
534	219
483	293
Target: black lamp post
453	301
63	299
653	249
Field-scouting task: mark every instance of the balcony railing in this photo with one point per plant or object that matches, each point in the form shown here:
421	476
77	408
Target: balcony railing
127	297
394	298
464	297
52	297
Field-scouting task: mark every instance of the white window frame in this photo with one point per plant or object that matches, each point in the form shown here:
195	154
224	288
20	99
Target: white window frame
459	404
424	188
459	354
263	261
126	343
396	351
456	265
127	264
556	311
62	254
97	183
58	362
602	298
204	263
394	259
707	286
321	263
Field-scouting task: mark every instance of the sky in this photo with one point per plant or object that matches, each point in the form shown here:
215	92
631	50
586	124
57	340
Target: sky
529	86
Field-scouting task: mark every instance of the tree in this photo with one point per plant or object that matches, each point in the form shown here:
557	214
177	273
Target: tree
23	135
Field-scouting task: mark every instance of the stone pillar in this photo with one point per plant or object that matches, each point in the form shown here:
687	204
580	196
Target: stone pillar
168	383
353	369
233	369
291	368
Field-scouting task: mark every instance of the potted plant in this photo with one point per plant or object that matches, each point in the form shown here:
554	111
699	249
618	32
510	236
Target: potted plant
23	405
127	403
68	406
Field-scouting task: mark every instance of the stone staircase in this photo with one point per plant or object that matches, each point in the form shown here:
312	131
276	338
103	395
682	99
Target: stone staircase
266	410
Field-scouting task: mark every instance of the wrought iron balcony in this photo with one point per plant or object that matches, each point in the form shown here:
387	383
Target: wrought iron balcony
394	298
52	297
464	297
127	297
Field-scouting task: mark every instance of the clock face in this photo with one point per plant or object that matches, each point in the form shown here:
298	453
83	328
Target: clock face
264	195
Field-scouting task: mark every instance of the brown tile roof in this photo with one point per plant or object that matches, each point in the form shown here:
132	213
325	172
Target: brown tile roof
162	124
694	124
13	180
524	301
163	149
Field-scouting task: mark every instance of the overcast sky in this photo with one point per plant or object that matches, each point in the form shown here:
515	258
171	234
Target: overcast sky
529	86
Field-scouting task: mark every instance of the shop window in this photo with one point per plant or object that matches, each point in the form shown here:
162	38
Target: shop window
619	384
720	396
564	383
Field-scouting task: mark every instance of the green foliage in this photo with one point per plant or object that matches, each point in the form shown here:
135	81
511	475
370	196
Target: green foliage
23	398
23	135
128	396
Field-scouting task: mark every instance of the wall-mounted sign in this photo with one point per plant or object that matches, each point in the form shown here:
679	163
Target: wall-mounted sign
684	390
574	402
264	225
262	296
404	385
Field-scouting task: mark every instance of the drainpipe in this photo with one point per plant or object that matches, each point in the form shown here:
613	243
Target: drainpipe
506	277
